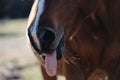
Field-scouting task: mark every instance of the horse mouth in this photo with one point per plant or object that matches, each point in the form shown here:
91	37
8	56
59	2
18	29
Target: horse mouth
51	60
52	55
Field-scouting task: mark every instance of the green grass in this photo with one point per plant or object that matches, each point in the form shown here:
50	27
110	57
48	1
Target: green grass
13	28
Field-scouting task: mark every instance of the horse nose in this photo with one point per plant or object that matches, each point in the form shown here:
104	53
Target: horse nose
46	38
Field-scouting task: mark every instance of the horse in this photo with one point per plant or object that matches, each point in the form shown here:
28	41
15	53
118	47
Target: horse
79	39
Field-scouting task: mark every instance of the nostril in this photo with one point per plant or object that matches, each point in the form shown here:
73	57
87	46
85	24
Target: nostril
46	38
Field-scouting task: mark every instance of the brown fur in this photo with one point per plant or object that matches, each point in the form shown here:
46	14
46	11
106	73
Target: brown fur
92	38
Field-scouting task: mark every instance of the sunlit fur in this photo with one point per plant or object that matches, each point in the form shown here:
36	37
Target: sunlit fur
35	14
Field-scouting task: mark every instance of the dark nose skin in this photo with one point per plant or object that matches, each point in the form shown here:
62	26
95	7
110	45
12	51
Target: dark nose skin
46	37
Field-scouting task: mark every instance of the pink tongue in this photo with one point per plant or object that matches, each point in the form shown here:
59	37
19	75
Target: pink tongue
51	64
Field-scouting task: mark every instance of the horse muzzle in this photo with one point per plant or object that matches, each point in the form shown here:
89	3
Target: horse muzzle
46	37
49	41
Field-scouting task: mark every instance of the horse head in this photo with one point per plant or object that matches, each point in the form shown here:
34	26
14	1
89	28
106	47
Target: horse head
85	26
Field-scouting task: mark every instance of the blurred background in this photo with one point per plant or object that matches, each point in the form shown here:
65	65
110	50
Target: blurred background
17	62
